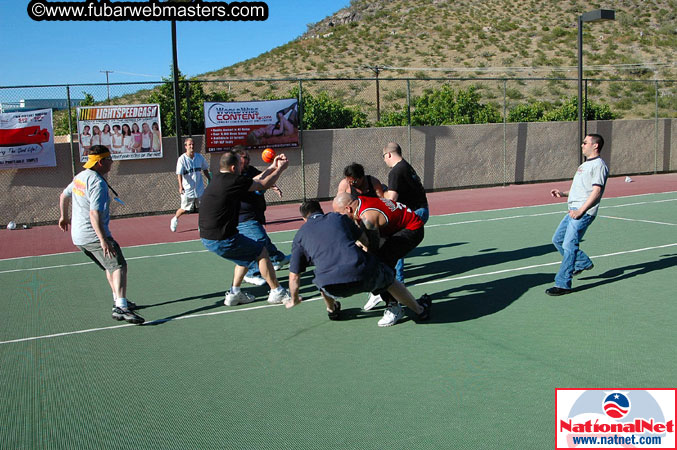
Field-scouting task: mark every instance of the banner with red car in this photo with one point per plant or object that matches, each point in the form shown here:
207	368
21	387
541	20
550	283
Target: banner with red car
27	139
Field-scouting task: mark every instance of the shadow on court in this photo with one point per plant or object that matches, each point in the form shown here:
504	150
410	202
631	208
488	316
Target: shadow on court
260	292
455	266
202	309
181	300
623	273
432	250
459	304
473	301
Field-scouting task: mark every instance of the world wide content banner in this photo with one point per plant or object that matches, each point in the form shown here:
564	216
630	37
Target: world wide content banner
127	131
255	124
27	139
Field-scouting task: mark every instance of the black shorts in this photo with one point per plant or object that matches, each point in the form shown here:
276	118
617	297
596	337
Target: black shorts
398	245
377	282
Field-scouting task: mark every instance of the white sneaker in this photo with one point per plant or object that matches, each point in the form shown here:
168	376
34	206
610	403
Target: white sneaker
279	297
256	280
372	302
391	315
238	299
173	224
277	265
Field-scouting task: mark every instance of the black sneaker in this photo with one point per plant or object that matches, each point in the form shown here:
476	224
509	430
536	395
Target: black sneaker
557	291
127	315
578	272
426	302
334	315
130	305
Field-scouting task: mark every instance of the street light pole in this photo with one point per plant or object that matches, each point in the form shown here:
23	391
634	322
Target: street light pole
177	109
590	16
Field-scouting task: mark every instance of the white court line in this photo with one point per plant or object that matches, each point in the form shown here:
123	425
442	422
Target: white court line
126	247
60	266
153	322
552	204
464	277
493	219
521	216
252	308
439	215
639	220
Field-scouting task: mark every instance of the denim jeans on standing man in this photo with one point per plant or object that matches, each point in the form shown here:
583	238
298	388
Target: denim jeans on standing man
255	231
424	215
567	239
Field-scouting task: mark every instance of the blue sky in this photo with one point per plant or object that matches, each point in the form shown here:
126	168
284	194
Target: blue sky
75	52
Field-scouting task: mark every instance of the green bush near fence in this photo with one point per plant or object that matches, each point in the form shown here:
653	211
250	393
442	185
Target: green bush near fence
322	111
444	106
192	97
61	120
567	111
325	110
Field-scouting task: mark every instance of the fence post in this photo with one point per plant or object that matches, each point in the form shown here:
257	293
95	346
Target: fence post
70	127
190	116
585	111
505	127
655	147
303	159
409	118
177	94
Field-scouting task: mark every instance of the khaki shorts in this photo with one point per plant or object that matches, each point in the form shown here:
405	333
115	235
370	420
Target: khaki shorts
189	203
95	252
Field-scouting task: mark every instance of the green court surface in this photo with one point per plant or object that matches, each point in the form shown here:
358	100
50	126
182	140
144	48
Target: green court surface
480	374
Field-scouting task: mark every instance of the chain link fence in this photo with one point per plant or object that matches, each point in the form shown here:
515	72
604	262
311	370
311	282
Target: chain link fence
446	156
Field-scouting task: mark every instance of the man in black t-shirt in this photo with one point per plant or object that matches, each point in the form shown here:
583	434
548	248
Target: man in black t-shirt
252	219
219	211
406	187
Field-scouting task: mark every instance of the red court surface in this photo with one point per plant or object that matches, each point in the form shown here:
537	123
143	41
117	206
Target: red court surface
49	239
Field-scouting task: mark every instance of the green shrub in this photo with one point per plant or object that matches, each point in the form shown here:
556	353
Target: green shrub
444	107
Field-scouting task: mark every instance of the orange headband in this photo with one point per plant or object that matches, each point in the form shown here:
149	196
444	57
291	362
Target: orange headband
93	159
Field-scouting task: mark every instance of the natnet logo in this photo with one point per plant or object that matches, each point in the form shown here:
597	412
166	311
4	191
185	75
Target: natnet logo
615	418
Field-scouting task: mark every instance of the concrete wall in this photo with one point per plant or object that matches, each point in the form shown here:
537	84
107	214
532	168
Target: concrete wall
446	157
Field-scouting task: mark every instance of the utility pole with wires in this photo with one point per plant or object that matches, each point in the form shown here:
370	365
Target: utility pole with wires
107	85
377	69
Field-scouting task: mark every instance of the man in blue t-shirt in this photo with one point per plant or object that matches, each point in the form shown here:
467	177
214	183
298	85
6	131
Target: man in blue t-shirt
342	269
584	196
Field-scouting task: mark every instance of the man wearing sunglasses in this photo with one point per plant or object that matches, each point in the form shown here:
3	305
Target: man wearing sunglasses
583	197
89	227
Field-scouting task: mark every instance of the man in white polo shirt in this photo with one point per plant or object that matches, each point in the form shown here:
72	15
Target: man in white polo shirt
189	169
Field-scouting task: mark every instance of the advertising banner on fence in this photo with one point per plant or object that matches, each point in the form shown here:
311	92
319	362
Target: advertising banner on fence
27	139
129	131
257	124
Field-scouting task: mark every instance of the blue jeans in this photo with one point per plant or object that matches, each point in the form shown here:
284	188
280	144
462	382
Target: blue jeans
424	215
255	231
239	249
566	239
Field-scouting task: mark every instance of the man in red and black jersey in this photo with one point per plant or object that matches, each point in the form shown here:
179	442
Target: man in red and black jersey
384	218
